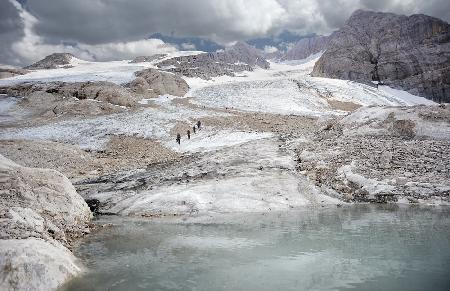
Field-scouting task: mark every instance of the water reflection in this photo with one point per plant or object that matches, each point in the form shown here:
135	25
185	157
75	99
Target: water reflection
360	247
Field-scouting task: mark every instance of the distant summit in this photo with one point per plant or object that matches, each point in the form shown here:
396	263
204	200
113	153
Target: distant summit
238	58
52	61
189	43
282	41
306	47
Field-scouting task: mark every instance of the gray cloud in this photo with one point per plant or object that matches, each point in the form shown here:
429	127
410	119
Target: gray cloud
11	30
100	28
100	21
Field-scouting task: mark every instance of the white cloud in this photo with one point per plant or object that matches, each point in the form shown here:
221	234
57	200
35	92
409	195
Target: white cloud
188	46
270	49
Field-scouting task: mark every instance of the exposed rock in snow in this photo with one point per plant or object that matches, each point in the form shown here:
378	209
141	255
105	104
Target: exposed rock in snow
52	61
382	154
42	107
420	122
238	58
40	214
306	47
412	53
143	59
100	91
152	83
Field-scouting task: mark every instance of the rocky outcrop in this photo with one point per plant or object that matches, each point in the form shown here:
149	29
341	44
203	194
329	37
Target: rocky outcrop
9	71
152	83
306	47
100	91
40	215
410	53
52	61
238	58
382	154
143	59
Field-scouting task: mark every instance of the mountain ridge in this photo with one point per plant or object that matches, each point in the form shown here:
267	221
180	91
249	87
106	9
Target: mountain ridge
407	52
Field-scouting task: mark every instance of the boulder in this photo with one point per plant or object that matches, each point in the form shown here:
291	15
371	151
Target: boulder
34	264
40	216
154	83
410	53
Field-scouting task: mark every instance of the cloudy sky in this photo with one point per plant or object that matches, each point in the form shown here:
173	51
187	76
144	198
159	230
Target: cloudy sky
118	29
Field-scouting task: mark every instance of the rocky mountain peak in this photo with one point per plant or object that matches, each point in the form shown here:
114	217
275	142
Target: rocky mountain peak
405	52
245	53
52	61
306	47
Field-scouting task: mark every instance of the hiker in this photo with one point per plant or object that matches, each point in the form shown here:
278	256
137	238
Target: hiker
199	124
178	138
193	128
189	134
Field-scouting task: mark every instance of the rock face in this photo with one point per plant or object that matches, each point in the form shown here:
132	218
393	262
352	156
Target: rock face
52	61
411	53
152	83
9	71
40	215
100	91
238	58
306	47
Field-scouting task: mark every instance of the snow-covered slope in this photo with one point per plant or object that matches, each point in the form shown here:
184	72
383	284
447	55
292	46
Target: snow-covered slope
288	88
77	70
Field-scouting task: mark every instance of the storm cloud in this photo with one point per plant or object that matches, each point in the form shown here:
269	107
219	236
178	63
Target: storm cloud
114	29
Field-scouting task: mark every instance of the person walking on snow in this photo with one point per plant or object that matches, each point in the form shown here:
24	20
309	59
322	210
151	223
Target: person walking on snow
189	134
199	124
178	138
193	129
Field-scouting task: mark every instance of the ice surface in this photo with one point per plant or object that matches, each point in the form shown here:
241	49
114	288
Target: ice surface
288	88
208	139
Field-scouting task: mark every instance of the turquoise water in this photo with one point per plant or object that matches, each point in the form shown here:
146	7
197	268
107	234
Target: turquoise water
351	248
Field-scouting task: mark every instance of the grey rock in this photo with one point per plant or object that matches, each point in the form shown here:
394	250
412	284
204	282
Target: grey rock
40	215
238	58
100	91
45	196
152	83
143	59
397	152
52	61
410	53
306	47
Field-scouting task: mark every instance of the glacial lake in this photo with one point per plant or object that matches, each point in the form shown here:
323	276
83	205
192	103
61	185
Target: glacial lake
361	247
